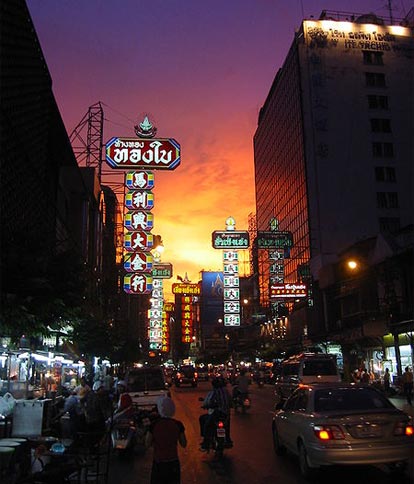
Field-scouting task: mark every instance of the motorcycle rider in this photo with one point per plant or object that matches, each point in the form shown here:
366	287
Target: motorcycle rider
242	385
125	408
218	403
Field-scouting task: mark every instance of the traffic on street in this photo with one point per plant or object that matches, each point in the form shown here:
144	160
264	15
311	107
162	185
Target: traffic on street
252	460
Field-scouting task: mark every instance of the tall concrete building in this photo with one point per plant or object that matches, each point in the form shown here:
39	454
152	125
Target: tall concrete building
334	148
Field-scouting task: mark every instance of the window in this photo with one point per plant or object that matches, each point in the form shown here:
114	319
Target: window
392	199
373	58
377	102
382	150
389	224
380	125
385	173
374	79
387	199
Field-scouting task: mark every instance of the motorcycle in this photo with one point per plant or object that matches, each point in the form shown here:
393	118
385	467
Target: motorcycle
129	432
241	401
217	440
123	435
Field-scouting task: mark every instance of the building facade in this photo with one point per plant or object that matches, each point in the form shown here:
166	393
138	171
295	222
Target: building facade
334	153
58	227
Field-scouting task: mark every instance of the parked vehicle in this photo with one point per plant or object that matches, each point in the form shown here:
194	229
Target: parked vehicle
305	368
123	435
186	375
342	424
202	373
145	385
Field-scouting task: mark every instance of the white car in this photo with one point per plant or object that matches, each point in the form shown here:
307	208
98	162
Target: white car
342	424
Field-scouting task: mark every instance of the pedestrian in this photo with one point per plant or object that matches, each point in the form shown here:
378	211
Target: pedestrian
74	408
164	434
387	380
98	409
365	378
407	380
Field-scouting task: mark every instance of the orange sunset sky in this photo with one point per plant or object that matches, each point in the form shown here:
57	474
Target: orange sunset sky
202	71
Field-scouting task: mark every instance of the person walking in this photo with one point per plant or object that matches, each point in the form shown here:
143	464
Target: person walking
387	380
407	380
164	434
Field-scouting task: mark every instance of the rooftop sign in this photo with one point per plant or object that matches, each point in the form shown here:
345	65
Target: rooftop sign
288	291
236	239
186	289
151	154
274	240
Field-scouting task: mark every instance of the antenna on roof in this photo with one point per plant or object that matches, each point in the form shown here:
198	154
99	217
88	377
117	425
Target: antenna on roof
390	10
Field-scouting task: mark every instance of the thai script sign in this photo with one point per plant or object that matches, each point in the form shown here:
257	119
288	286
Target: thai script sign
237	239
364	36
162	270
272	240
288	291
151	154
194	289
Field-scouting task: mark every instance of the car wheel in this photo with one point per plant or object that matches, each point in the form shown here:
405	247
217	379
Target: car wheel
306	471
277	446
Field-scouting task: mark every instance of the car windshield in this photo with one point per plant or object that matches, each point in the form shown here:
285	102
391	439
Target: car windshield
148	379
350	399
319	367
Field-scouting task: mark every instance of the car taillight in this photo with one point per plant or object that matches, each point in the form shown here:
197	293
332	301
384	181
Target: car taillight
333	432
403	428
220	424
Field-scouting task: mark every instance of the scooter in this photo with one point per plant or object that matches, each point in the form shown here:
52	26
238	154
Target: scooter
217	440
242	401
123	435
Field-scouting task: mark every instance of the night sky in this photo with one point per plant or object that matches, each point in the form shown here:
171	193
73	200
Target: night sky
202	70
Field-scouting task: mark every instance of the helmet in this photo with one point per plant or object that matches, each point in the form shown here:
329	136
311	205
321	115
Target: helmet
97	385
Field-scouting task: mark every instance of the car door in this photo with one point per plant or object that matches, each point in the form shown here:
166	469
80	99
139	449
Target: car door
295	417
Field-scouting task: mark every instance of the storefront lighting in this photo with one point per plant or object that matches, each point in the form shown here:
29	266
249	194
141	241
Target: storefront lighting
38	357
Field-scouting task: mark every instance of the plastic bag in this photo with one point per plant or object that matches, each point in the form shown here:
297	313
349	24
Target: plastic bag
7	403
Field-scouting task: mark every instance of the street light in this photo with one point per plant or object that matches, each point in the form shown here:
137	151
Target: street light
243	309
352	264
